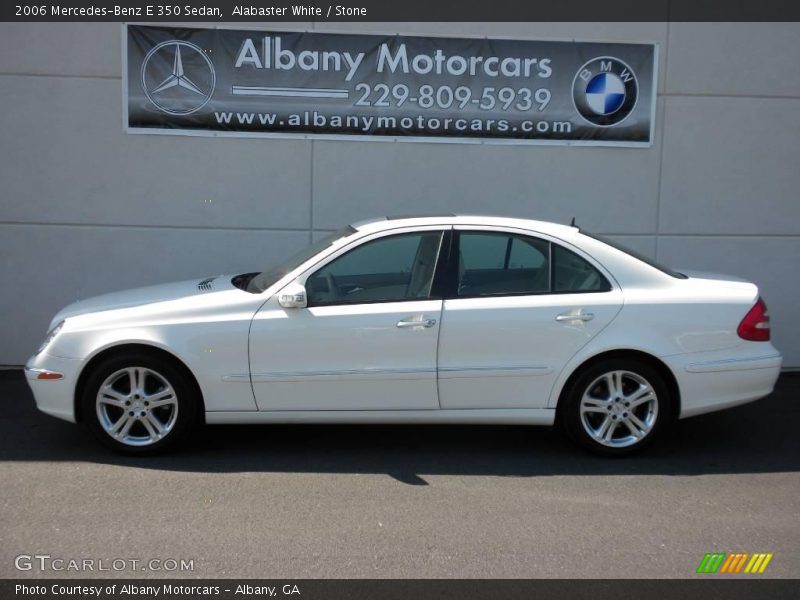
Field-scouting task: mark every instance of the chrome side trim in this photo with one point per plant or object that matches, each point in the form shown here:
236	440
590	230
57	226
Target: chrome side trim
770	361
407	373
402	373
237	378
494	371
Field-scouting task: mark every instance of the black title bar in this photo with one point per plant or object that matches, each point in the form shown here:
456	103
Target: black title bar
220	11
393	589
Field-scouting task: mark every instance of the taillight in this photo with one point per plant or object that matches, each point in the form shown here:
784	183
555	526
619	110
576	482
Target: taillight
755	325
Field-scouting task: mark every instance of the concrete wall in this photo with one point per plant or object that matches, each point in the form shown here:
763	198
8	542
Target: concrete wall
86	209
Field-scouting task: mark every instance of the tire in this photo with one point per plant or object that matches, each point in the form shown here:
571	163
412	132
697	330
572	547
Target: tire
616	407
139	403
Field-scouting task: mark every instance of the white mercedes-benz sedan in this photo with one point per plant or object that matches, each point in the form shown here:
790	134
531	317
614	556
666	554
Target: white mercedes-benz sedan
447	319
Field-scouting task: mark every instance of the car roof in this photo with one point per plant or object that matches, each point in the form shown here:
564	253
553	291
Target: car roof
386	223
623	267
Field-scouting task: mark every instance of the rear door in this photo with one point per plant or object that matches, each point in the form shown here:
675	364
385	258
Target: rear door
517	309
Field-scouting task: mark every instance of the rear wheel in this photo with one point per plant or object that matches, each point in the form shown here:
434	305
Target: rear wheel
137	403
616	406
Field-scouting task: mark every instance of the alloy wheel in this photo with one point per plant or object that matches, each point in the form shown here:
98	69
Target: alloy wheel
619	409
136	406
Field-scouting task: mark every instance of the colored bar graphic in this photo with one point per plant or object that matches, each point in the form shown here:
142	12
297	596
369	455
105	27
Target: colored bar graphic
711	562
759	562
742	561
732	558
733	562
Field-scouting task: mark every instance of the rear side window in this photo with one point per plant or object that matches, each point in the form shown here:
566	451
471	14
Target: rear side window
502	264
499	264
571	273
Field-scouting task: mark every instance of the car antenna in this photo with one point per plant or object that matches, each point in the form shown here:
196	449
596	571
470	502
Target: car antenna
572	223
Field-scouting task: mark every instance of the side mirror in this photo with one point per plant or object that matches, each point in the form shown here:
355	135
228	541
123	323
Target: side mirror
293	296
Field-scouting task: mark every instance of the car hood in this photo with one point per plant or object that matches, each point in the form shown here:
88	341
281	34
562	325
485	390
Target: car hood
152	294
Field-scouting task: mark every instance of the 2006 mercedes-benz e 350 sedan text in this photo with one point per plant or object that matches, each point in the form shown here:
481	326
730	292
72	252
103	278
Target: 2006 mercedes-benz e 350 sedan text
448	319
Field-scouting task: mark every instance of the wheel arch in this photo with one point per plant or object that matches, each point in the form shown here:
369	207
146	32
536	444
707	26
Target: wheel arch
155	351
645	357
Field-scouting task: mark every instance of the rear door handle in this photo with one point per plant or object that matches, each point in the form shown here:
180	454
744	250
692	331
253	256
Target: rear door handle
424	323
581	317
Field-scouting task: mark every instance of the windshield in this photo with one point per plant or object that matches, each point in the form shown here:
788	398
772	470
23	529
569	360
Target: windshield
266	278
636	255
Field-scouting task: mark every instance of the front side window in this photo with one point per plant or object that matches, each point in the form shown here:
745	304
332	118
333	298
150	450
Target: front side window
393	268
492	264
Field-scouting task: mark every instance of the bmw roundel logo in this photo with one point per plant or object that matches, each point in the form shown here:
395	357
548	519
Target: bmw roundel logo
605	91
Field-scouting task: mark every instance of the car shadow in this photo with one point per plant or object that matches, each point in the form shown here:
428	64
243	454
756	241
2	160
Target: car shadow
756	438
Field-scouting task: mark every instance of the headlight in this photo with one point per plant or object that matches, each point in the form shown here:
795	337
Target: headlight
50	335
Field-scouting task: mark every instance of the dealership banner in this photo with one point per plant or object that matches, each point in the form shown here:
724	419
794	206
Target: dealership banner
393	87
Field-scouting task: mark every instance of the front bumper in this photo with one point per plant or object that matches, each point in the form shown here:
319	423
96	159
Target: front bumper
55	391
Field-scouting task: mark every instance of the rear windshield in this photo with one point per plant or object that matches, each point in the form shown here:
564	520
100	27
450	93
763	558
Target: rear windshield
645	259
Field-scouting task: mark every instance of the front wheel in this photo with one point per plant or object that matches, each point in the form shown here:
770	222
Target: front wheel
616	406
139	403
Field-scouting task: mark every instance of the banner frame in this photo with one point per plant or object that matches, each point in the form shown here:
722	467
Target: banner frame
384	138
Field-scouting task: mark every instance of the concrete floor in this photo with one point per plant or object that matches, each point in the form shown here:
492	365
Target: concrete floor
433	501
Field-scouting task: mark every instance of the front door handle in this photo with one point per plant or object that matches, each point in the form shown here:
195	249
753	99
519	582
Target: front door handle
424	323
580	317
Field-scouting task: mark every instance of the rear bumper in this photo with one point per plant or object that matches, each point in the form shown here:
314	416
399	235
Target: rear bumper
708	385
54	395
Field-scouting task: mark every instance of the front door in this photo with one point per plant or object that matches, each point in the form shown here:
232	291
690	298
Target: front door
368	338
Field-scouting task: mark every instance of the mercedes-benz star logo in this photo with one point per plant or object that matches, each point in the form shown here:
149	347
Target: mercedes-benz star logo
165	81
